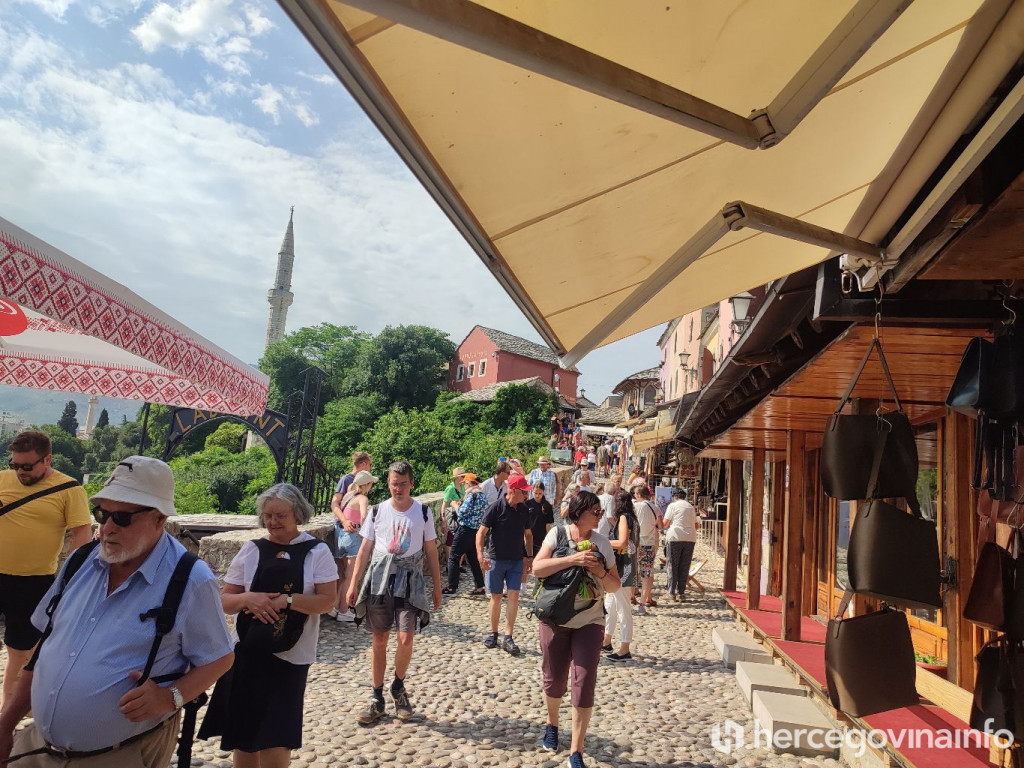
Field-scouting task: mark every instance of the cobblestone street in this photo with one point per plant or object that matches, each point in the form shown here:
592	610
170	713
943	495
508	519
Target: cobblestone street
480	707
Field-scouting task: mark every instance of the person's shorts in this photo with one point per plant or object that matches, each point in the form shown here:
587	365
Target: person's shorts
591	466
646	557
504	573
19	596
348	543
386	611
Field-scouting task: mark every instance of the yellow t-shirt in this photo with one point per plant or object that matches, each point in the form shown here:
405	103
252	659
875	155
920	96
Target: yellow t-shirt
32	536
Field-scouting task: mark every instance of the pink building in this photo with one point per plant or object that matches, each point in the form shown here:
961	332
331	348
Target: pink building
487	356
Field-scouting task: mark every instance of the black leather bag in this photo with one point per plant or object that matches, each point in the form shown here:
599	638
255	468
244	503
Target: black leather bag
998	702
988	601
894	556
869	662
990	378
853	445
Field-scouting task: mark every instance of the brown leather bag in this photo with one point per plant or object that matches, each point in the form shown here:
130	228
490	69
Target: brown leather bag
987	603
869	662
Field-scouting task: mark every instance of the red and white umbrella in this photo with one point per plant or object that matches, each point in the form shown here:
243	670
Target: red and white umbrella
65	327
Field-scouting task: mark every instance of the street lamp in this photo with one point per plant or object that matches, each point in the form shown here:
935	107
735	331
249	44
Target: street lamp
684	358
740	310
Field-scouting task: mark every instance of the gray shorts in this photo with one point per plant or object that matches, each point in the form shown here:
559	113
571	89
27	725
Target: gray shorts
386	611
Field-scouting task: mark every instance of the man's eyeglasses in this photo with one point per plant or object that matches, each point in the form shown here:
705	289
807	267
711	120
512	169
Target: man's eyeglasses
24	467
121	519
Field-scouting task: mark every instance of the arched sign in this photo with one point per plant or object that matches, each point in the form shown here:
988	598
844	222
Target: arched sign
12	319
272	426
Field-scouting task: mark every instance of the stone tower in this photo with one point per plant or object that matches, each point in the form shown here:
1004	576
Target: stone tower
280	296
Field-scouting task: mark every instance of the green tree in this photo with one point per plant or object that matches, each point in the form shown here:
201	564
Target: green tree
103	419
229	435
68	451
346	421
194	498
415	436
332	348
519	408
406	365
226	476
69	418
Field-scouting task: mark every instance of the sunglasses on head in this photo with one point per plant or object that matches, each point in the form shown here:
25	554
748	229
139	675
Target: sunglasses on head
24	467
121	519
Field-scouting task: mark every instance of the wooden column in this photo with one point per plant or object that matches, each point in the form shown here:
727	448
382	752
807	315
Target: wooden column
778	517
734	511
958	510
812	509
796	503
756	526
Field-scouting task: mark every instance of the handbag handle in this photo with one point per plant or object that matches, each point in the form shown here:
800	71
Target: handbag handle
876	465
875	344
841	612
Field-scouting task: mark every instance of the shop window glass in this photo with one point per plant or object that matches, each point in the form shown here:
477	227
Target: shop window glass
842	543
927	438
483	367
472	369
460	373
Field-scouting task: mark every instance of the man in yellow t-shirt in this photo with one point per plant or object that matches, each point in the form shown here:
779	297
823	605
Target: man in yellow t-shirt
31	538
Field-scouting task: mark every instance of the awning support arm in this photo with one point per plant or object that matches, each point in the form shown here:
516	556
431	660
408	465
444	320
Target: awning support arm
480	29
734	216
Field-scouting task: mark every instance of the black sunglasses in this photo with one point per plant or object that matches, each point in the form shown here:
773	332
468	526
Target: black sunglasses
121	519
24	467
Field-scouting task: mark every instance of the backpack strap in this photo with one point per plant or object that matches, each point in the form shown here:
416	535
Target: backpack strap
75	561
373	514
38	495
166	614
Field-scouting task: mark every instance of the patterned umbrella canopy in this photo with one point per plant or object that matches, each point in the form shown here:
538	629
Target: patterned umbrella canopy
88	334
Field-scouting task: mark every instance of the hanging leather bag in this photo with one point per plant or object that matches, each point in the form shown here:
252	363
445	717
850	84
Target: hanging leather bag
998	702
852	442
970	391
988	601
869	661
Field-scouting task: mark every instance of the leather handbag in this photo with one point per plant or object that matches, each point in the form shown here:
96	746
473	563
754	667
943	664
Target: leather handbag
998	702
894	556
869	661
987	602
990	378
854	444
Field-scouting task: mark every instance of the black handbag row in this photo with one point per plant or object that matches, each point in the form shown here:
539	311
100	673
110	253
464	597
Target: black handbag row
893	556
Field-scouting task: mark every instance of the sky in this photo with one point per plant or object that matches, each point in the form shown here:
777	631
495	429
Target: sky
163	143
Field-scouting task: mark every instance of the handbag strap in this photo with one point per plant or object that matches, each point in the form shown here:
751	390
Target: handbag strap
876	466
38	495
875	344
841	612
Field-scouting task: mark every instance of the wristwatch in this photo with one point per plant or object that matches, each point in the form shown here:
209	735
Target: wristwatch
288	603
179	700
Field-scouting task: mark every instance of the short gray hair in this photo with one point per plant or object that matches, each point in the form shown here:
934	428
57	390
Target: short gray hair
301	508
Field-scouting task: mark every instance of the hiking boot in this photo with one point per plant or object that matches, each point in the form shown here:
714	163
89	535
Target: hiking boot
403	709
509	646
491	641
576	760
550	742
370	714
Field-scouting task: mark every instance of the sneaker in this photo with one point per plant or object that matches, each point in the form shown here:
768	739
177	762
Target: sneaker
576	760
550	742
491	641
619	656
509	646
373	712
348	615
641	611
403	709
607	648
677	598
333	613
651	603
447	591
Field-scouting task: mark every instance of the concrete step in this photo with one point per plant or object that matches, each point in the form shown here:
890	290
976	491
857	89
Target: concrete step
736	645
795	725
753	676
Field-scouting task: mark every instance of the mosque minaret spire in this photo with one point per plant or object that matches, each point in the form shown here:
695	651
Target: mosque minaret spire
280	296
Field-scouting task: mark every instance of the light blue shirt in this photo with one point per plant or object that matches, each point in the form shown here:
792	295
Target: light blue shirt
550	483
82	671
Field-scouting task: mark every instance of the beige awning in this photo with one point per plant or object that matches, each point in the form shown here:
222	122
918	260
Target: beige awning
643	441
579	170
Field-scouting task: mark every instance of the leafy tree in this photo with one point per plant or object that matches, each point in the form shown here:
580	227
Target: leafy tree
416	436
345	423
284	366
332	348
520	408
103	419
69	418
229	435
226	476
68	451
90	463
406	365
194	498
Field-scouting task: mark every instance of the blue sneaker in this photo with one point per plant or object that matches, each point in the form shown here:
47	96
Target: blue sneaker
491	641
576	760
550	742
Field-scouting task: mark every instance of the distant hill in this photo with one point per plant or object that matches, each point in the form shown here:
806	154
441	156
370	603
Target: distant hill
40	407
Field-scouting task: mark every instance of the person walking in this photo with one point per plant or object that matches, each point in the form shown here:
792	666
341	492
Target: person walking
680	525
602	459
545	475
399	545
361	462
353	512
504	537
542	515
90	688
453	495
647	515
591	459
468	517
276	587
575	646
38	505
625	538
607	497
494	486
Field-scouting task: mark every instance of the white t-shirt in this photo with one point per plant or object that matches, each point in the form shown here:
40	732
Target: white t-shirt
608	514
398	533
594	614
491	492
318	568
647	514
591	458
682	521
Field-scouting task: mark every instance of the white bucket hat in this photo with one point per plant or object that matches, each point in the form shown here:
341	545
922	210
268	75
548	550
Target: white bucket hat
141	480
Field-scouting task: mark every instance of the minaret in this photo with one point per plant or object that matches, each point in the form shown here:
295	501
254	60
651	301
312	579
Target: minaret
280	296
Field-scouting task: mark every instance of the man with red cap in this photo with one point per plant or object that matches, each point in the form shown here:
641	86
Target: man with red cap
503	540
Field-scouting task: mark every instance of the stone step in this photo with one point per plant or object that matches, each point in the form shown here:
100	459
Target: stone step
753	676
795	725
736	645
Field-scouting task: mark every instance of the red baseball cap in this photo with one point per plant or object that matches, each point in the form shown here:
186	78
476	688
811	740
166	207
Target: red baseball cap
519	483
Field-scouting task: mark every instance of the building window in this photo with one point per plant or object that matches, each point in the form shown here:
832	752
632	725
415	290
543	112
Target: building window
460	372
472	367
483	367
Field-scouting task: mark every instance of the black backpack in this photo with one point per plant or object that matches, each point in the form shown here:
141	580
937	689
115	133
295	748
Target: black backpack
555	601
164	615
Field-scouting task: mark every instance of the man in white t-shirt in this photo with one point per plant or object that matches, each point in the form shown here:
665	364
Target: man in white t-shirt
611	487
647	515
680	526
399	543
495	487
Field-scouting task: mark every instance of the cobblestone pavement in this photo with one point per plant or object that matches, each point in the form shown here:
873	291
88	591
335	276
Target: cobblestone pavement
480	707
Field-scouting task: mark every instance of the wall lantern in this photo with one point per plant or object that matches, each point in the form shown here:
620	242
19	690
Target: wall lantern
741	310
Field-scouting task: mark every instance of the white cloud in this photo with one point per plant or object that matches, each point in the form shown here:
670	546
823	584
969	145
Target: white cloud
269	101
53	8
322	78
